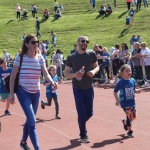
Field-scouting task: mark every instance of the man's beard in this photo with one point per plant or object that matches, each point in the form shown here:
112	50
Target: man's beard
83	48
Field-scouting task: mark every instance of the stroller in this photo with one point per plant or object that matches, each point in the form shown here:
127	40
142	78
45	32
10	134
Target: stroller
24	14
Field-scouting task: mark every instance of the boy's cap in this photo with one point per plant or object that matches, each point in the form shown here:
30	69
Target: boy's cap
112	48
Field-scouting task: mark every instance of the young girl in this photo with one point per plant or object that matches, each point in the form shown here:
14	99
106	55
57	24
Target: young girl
126	99
4	96
131	14
51	92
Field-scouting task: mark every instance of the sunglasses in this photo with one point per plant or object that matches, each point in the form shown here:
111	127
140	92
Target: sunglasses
34	42
85	41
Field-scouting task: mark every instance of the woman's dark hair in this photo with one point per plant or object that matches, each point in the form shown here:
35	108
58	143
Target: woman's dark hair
2	60
117	46
58	51
125	45
27	40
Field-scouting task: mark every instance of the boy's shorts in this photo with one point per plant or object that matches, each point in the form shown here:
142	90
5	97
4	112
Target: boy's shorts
127	23
3	96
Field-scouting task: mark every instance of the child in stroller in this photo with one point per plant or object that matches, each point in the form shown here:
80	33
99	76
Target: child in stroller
24	14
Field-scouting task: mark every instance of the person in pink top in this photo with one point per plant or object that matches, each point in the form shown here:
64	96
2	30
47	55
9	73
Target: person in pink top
129	4
18	10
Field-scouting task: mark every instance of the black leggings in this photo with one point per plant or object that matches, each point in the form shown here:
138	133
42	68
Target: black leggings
104	66
130	114
49	101
147	71
18	15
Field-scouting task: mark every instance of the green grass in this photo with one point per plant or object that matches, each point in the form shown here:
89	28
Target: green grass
77	20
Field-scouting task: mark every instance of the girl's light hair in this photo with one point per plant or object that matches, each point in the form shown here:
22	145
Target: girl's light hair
143	44
51	67
123	67
105	48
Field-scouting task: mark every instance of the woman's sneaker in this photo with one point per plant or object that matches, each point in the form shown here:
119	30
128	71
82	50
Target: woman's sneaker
130	134
85	139
24	146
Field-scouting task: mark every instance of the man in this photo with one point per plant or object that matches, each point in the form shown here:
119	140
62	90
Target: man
75	48
138	6
83	90
37	26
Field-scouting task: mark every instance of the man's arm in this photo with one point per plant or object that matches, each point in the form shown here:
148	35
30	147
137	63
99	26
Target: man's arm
94	71
70	75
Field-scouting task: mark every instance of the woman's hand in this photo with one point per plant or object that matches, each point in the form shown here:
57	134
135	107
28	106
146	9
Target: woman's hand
12	99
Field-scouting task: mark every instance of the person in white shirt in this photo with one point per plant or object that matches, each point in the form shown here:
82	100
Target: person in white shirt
145	60
6	55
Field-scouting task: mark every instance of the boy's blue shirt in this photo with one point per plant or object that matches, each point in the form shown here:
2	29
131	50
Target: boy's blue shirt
4	74
107	60
127	90
49	93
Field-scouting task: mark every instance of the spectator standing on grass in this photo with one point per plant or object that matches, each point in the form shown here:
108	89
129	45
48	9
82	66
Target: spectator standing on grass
4	95
131	13
82	83
28	91
37	26
145	3
34	10
54	38
129	4
6	55
18	11
138	6
56	5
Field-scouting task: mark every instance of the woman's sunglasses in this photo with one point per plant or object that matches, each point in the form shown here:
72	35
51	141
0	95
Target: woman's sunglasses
34	42
85	41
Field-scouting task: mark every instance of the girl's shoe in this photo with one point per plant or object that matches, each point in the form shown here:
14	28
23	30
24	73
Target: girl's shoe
130	134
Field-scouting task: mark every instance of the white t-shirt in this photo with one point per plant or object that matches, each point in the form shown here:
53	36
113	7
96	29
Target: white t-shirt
146	59
6	56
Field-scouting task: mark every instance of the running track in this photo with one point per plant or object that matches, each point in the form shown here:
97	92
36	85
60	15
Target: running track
104	128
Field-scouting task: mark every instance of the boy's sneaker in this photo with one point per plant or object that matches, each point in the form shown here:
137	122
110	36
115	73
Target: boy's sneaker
124	125
7	112
130	134
85	139
24	146
42	104
58	117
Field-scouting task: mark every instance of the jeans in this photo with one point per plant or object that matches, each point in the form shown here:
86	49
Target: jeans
38	31
29	103
84	105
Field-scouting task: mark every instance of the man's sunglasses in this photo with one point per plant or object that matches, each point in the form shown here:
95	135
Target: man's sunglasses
34	42
85	41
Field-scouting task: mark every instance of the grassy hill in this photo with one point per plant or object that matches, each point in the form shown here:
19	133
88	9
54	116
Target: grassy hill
76	20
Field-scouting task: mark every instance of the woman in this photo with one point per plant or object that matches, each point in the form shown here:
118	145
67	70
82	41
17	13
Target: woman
18	10
114	61
145	60
59	63
28	92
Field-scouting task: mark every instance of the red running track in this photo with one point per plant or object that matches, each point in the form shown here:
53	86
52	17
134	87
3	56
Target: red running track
105	129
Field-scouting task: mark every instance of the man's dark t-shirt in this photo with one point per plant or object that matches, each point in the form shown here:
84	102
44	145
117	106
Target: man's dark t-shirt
76	61
37	23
